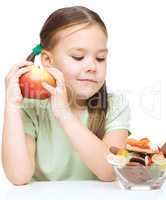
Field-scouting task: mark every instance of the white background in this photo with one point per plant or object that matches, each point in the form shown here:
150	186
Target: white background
136	62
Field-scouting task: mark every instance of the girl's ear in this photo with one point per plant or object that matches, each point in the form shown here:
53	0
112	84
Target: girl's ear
46	58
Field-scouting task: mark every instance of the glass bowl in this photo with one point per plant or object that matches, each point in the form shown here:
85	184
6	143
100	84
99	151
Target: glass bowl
135	176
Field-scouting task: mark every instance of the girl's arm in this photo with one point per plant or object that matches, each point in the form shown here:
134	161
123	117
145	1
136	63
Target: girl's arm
17	148
91	149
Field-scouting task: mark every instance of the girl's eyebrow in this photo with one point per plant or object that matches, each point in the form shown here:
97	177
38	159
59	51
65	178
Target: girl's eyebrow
84	50
103	50
77	49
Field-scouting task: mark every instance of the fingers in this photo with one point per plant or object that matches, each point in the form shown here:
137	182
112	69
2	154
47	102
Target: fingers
17	67
15	76
21	65
23	70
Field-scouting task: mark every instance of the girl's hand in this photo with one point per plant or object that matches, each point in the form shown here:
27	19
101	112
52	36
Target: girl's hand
12	89
59	98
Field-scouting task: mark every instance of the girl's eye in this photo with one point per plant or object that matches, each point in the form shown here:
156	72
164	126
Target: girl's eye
100	59
77	58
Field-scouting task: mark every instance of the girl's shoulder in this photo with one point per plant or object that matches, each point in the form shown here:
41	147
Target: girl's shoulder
117	103
118	113
117	99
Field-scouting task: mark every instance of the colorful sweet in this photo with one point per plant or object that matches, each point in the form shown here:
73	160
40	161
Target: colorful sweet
141	151
141	161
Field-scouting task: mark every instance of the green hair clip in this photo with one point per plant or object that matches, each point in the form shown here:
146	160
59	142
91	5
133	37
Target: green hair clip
37	49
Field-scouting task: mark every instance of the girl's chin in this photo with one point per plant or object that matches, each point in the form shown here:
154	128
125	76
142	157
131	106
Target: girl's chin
85	96
80	93
82	97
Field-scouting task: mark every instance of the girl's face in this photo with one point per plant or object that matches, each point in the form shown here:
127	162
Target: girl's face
80	54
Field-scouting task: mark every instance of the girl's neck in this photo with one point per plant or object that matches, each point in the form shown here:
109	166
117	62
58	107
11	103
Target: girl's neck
78	108
78	105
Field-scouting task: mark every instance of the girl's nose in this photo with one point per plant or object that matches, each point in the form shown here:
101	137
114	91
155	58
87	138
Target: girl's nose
91	66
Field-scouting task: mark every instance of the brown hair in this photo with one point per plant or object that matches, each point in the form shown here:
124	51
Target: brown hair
67	17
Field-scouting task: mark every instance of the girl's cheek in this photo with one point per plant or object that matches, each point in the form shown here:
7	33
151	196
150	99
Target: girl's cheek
71	74
101	73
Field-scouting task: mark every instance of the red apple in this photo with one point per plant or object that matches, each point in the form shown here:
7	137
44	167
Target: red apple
30	83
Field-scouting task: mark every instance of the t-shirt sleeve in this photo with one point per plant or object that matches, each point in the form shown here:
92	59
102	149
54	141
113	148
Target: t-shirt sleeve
29	120
118	113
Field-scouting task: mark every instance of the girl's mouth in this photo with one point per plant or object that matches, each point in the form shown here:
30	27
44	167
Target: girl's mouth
87	80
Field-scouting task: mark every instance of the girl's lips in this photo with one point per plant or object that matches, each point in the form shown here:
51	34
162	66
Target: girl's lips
87	80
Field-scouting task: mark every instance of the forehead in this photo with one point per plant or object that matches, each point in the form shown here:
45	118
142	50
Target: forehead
82	35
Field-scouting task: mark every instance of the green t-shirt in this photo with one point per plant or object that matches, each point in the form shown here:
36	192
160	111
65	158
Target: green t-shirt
55	157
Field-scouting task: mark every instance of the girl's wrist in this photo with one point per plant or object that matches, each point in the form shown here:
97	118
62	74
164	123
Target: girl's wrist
12	105
12	111
64	115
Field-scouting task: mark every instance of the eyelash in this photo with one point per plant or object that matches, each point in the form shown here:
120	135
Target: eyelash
81	58
77	58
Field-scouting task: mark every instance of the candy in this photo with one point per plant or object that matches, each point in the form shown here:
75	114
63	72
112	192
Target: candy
138	160
131	141
144	141
142	146
122	152
159	159
155	148
148	161
138	151
136	174
140	163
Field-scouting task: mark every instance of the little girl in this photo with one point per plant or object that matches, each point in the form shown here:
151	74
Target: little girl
68	135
